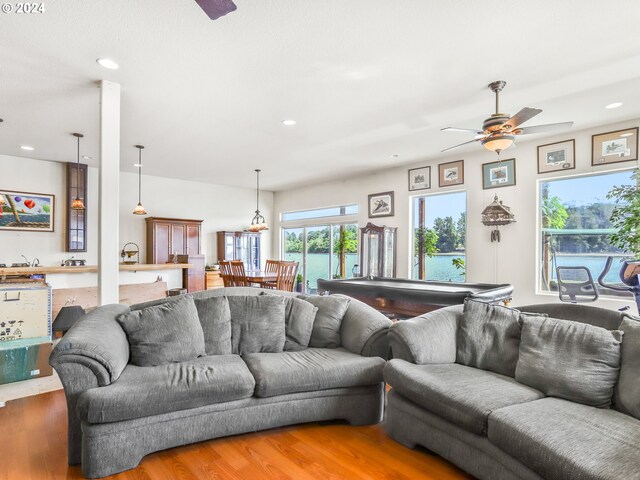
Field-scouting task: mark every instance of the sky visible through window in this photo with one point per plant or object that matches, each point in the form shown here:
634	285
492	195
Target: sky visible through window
587	190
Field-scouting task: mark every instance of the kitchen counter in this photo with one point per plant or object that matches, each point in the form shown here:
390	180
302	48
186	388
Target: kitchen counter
138	267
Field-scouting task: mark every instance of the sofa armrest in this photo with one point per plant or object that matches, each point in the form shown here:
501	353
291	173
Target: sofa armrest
96	342
429	338
364	330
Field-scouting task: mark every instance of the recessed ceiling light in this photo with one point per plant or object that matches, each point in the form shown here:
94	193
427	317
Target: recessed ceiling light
107	63
27	148
289	123
614	105
87	157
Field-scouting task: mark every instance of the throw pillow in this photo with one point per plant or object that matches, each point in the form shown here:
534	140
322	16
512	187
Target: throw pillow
570	360
488	337
299	316
257	323
165	333
326	327
215	318
626	396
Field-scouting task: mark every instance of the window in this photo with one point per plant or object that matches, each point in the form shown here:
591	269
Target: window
321	213
575	226
439	237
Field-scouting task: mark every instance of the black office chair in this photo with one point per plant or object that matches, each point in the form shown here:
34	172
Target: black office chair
575	285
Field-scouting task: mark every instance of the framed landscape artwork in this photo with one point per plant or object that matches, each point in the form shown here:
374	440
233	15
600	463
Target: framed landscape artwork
557	156
26	211
381	205
419	178
499	174
451	173
614	147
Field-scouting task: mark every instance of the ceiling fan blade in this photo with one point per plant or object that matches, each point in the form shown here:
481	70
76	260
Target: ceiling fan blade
216	8
550	127
522	116
461	144
456	129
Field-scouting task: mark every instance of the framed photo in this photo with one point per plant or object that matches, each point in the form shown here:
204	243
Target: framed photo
499	174
451	173
26	211
614	147
381	205
419	178
557	156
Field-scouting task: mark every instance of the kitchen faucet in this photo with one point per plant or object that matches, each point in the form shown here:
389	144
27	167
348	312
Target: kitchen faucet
34	263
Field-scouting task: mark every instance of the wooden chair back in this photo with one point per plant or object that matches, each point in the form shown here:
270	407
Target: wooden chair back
226	274
239	275
272	266
287	276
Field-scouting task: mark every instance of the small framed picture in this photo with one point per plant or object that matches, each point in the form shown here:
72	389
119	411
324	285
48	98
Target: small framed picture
557	156
614	147
499	174
419	178
27	211
381	205
451	173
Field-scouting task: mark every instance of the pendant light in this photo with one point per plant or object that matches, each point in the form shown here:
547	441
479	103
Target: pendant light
139	210
77	204
258	222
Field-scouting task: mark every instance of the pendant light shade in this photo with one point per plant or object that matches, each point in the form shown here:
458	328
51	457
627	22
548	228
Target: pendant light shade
258	223
139	210
77	204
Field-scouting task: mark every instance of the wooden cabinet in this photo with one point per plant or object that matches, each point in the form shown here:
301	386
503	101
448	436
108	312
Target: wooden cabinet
166	236
243	246
213	279
193	278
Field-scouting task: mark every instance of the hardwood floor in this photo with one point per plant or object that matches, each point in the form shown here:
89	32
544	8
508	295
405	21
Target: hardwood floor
34	446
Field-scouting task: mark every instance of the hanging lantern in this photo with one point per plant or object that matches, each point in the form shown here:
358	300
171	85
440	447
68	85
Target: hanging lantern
496	214
77	203
139	209
258	223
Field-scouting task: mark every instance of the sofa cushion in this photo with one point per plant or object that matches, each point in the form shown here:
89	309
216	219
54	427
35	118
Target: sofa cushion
564	440
626	395
164	333
570	360
145	391
326	328
462	395
215	318
257	323
311	369
299	316
488	337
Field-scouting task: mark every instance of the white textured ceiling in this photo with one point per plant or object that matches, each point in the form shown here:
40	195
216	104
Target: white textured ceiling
365	79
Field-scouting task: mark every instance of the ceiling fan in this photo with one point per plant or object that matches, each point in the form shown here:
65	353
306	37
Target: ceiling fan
499	131
216	8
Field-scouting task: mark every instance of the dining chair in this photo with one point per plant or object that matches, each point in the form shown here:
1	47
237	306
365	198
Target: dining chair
226	274
271	268
239	275
287	276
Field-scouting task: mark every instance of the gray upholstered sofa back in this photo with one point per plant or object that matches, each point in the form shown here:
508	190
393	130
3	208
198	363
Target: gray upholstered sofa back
599	317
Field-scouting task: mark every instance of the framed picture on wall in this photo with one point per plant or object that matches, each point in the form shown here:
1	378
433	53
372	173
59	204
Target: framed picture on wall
381	205
451	173
419	178
557	156
614	147
499	174
27	211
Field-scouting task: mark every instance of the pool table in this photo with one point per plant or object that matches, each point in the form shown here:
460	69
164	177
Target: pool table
404	298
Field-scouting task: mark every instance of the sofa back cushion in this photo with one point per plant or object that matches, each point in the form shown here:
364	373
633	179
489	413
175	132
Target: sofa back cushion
626	397
257	323
326	327
164	333
215	318
299	318
488	337
570	360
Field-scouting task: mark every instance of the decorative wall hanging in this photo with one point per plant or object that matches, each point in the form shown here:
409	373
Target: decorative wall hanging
27	211
496	214
419	178
499	174
554	157
451	173
614	147
258	223
381	205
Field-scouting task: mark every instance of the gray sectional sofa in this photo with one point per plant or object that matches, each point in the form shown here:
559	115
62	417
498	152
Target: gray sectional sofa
521	423
119	411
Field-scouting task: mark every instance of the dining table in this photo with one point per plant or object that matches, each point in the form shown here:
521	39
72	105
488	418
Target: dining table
261	277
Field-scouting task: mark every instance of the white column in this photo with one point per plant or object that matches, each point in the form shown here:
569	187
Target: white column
109	193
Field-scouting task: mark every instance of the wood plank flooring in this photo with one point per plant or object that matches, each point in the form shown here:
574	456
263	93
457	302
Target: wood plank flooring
33	446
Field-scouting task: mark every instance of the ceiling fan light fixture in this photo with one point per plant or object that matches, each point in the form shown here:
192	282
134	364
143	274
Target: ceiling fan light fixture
498	142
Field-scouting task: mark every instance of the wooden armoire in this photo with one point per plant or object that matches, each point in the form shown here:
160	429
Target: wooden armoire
168	236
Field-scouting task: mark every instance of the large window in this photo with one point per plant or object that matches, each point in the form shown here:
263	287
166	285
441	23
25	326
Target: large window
321	213
575	225
439	237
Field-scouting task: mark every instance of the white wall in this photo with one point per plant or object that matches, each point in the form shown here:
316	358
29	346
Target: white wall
513	260
221	208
